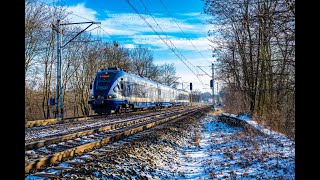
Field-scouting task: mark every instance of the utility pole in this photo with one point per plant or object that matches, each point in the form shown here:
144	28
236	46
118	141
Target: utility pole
59	82
59	96
191	93
213	86
218	96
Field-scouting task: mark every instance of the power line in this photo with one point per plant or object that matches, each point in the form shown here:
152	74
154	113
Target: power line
183	31
163	31
81	17
174	51
105	32
161	37
204	71
154	31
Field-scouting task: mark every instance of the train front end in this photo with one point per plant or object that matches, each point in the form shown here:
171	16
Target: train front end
102	96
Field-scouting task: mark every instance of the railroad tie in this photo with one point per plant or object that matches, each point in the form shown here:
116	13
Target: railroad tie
73	143
61	168
44	151
66	145
94	154
46	174
105	150
86	158
75	162
100	135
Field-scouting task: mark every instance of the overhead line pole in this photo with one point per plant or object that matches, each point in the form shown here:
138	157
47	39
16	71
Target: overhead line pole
59	83
213	86
59	96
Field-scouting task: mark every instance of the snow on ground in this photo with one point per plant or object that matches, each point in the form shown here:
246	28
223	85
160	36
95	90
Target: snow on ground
202	148
60	129
236	153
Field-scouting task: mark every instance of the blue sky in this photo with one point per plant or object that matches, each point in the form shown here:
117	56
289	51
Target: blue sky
181	21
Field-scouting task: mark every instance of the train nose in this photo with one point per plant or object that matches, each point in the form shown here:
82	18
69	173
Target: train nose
100	97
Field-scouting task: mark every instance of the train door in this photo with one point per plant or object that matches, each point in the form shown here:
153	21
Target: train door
159	95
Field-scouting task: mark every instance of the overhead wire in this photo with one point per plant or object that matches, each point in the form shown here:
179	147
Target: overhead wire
143	18
163	31
173	50
162	38
182	31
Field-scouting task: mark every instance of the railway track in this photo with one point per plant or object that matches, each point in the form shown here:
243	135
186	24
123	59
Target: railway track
39	133
48	152
45	122
54	133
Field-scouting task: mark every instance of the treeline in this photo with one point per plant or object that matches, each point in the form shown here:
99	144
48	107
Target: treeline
254	43
81	59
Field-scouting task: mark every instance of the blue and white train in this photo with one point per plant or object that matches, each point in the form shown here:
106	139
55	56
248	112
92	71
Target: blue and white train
114	90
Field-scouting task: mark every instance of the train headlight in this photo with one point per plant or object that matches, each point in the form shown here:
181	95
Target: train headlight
92	97
112	96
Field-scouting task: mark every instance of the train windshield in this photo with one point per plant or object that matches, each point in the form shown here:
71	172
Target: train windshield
103	80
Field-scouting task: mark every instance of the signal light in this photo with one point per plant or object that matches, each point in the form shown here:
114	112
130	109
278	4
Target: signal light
104	76
190	86
211	83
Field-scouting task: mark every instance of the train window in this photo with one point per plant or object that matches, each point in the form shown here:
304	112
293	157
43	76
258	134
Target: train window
128	90
102	85
105	77
116	88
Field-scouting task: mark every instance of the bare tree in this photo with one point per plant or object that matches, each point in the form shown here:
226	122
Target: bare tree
35	21
142	60
39	54
255	47
167	76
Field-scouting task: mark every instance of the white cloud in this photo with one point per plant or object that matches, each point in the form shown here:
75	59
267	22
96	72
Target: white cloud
192	14
80	13
129	46
134	25
131	23
183	43
201	44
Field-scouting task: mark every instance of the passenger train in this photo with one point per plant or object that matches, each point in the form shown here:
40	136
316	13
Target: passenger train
114	90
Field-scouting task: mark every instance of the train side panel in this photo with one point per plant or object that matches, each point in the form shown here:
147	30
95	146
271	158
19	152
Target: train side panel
114	90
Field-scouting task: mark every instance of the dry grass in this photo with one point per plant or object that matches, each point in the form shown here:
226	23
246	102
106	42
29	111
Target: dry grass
215	112
197	139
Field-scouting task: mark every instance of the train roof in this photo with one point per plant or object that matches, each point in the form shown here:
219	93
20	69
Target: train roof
140	77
